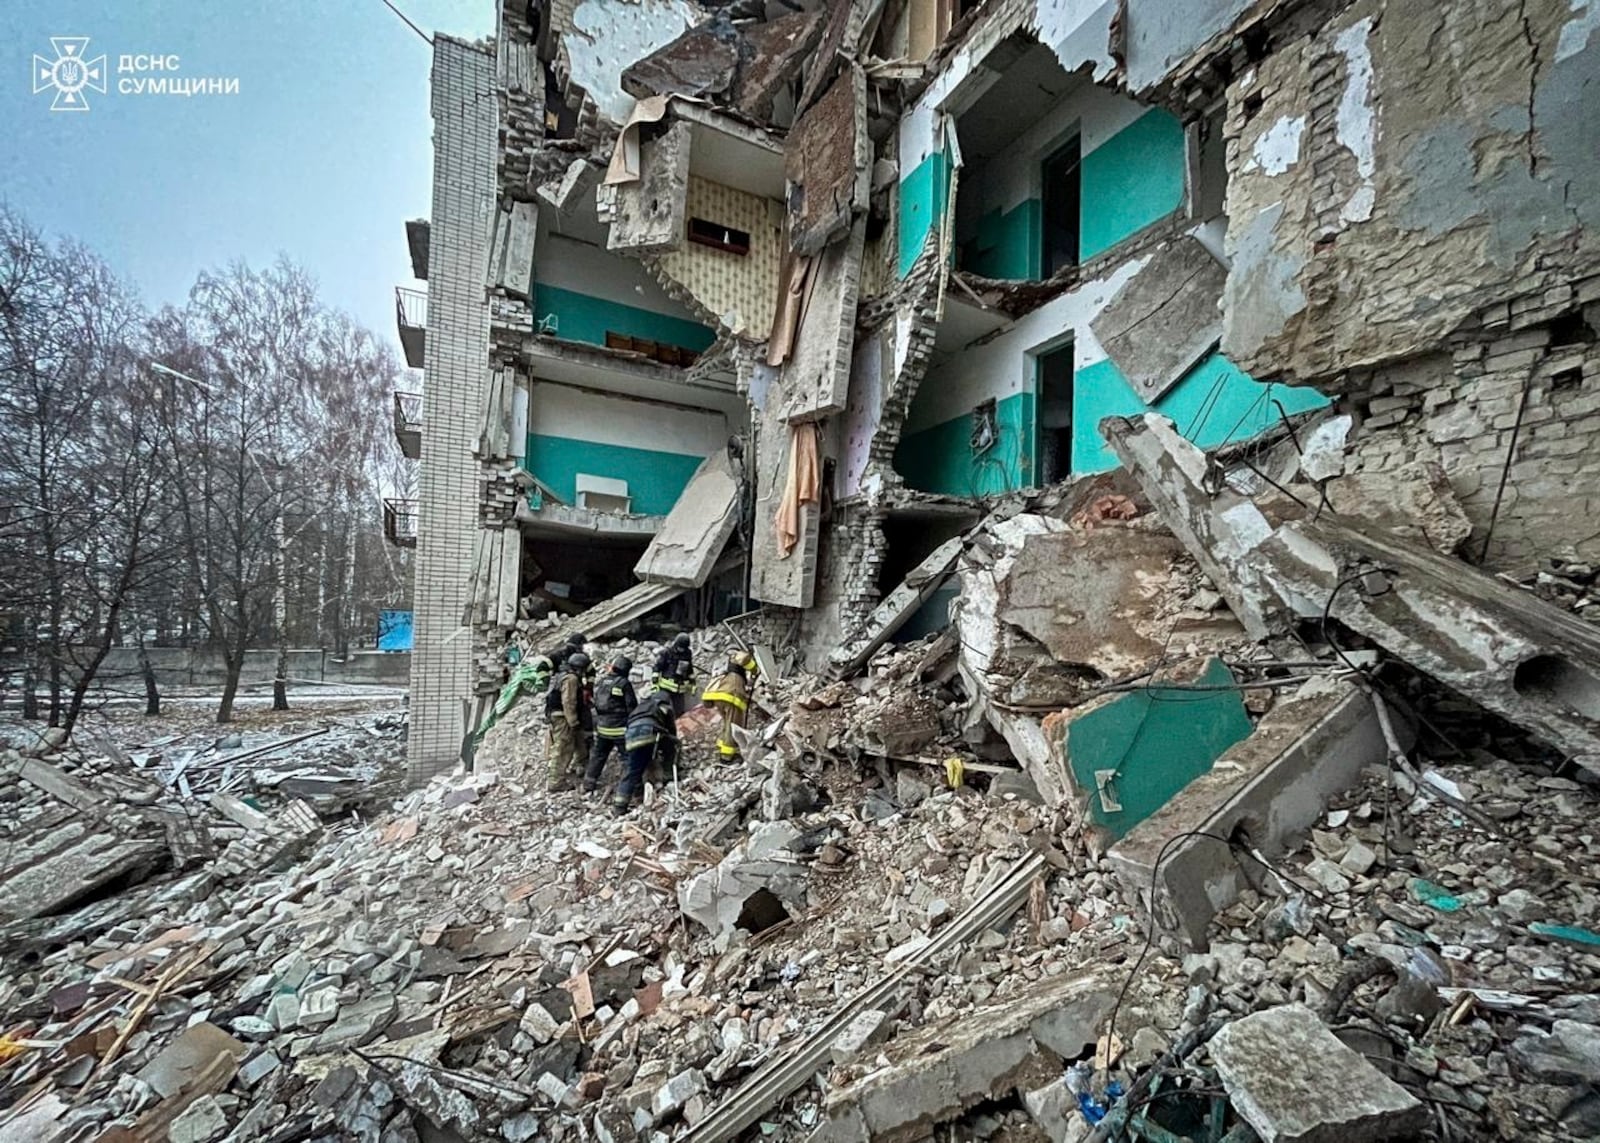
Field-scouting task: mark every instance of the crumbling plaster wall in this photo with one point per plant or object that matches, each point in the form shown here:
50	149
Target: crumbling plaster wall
1401	168
606	36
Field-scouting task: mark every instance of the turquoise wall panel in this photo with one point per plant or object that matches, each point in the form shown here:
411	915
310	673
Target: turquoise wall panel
655	479
923	195
1008	243
1215	403
582	317
1131	180
939	458
1158	740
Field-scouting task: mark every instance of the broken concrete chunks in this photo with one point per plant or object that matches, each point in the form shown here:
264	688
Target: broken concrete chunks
1275	782
864	1030
177	1065
1179	287
650	211
754	887
1414	502
538	1023
940	1070
672	1096
1293	1081
1221	531
201	1122
319	1005
358	1024
1569	1053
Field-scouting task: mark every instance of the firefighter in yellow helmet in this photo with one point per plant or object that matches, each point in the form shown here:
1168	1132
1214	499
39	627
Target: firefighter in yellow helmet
730	695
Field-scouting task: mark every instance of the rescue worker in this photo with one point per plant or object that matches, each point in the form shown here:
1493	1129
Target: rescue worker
614	700
731	696
566	706
652	736
675	670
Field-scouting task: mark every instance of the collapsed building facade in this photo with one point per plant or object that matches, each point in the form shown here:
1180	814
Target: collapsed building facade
743	306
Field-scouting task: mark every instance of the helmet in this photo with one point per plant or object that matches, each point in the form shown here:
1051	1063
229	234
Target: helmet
622	664
682	640
742	660
578	637
578	661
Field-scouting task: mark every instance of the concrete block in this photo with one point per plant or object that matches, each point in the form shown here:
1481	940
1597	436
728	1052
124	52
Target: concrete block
868	1028
1311	745
1294	1082
694	533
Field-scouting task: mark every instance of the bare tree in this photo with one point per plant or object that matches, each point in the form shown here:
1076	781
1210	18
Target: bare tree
66	325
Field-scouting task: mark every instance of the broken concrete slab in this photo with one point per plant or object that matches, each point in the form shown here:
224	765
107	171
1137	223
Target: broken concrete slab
828	157
897	607
1274	784
1088	596
694	533
942	1068
1176	293
701	63
757	885
54	882
649	212
780	49
177	1066
816	378
1413	502
1294	1081
1129	753
1176	478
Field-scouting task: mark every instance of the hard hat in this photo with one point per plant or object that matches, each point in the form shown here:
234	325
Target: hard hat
622	664
682	640
578	661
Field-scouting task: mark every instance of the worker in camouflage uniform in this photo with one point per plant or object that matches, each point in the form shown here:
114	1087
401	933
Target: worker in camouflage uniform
566	705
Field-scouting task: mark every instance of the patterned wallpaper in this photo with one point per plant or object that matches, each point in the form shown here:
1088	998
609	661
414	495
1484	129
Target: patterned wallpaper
741	288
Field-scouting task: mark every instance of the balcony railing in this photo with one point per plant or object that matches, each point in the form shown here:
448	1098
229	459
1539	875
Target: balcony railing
411	317
408	423
400	522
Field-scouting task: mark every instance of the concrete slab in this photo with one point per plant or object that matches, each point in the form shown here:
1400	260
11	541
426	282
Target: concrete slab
697	529
941	1069
1292	1080
897	607
178	1065
1176	293
1311	745
650	211
55	882
816	378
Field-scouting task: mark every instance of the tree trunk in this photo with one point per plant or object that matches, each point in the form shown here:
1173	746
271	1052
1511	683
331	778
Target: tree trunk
152	694
280	684
233	661
30	694
280	608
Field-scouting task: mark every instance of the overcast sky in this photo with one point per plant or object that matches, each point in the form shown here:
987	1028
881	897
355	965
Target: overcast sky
323	154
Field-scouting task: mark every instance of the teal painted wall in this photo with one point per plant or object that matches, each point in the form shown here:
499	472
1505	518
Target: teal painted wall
923	195
1216	402
1158	739
1131	180
655	479
939	458
1008	243
581	317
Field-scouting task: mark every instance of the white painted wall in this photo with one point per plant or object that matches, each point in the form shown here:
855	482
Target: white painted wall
586	269
1003	366
611	34
580	414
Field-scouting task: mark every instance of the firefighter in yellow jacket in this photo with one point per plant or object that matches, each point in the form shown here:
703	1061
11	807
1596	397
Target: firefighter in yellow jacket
730	695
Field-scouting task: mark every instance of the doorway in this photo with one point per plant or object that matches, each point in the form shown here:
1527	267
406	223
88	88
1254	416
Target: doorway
1053	371
1062	192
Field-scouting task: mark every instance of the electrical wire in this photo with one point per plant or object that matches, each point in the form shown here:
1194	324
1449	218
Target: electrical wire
426	38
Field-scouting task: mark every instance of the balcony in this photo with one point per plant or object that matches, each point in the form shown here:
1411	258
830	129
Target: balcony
408	423
411	317
400	522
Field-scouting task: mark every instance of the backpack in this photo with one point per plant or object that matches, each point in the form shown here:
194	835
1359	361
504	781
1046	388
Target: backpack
608	697
552	697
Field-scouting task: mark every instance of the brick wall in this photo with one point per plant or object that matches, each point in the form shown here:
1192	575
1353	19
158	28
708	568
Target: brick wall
1459	406
465	117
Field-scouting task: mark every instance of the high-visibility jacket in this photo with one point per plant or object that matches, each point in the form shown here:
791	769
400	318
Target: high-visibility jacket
614	701
674	668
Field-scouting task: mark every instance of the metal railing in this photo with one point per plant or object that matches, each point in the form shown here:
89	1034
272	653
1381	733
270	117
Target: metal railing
408	423
400	522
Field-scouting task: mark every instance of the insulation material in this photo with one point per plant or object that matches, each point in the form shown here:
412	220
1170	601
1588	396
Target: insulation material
625	157
799	489
1165	319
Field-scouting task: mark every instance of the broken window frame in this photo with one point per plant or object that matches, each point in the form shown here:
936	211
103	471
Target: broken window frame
734	240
